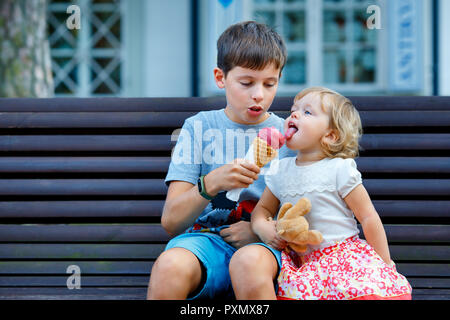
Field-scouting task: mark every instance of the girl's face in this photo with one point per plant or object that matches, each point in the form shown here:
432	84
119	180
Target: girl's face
310	124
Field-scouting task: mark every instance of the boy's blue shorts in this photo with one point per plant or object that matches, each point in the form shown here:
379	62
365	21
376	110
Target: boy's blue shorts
215	255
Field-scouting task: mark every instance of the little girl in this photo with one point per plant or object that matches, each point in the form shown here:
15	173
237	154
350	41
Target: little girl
324	127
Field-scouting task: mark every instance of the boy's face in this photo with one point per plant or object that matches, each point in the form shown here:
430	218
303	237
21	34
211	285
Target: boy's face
249	92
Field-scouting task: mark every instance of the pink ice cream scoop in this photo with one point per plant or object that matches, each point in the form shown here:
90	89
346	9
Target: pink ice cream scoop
272	136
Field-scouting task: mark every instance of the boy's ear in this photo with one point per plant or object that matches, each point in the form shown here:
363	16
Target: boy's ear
219	77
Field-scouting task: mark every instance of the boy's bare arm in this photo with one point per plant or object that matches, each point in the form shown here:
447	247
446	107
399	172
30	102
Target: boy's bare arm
182	207
184	203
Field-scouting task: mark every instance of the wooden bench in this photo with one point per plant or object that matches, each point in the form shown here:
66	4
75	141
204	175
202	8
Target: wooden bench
81	183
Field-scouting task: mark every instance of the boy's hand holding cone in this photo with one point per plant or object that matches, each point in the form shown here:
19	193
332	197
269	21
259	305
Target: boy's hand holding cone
264	149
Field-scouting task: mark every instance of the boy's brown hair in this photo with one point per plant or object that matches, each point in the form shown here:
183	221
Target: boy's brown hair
250	45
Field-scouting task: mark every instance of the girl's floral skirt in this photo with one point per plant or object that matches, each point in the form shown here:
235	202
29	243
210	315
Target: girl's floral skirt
348	270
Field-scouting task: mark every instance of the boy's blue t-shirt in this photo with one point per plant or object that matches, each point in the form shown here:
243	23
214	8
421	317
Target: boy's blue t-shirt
210	140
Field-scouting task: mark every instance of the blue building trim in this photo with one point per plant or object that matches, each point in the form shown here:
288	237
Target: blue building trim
195	72
436	35
406	45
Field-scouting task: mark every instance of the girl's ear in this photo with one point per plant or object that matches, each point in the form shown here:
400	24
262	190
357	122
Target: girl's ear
219	77
330	137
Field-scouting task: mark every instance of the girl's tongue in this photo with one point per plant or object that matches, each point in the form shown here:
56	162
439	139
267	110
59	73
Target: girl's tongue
290	132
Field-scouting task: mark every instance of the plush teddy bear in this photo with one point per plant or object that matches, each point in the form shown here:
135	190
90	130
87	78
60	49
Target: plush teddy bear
293	227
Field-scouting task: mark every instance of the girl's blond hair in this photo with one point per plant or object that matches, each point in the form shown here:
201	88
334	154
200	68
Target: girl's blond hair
344	120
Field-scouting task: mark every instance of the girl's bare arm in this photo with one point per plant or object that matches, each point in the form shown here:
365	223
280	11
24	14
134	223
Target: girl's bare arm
266	208
358	200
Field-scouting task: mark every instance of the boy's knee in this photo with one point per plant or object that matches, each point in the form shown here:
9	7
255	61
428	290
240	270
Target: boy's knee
239	260
176	263
250	259
252	271
175	274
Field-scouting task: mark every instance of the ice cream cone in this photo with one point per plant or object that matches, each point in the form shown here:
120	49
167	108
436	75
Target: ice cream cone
262	152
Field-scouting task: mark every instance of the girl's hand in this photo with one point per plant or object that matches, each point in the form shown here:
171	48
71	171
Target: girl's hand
267	232
238	174
391	264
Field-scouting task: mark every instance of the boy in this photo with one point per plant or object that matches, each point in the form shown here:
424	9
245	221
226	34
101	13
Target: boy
208	226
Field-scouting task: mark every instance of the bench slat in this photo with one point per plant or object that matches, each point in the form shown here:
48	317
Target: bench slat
80	251
423	269
405	118
403	164
39	120
405	142
87	187
84	233
153	208
409	187
142	281
81	209
428	283
144	268
84	164
415	233
411	208
34	120
60	143
114	104
86	267
419	253
140	294
66	294
161	164
431	294
86	281
152	251
150	187
106	104
155	233
65	143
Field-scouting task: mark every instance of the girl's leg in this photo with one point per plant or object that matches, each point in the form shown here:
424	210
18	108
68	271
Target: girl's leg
253	269
176	273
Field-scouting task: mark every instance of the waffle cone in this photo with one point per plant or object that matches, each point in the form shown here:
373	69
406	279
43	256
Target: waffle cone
262	152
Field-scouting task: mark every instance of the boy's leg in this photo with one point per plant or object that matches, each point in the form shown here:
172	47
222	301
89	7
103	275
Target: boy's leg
253	269
176	273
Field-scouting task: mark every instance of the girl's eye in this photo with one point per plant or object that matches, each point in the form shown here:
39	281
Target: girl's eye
246	84
270	84
307	112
